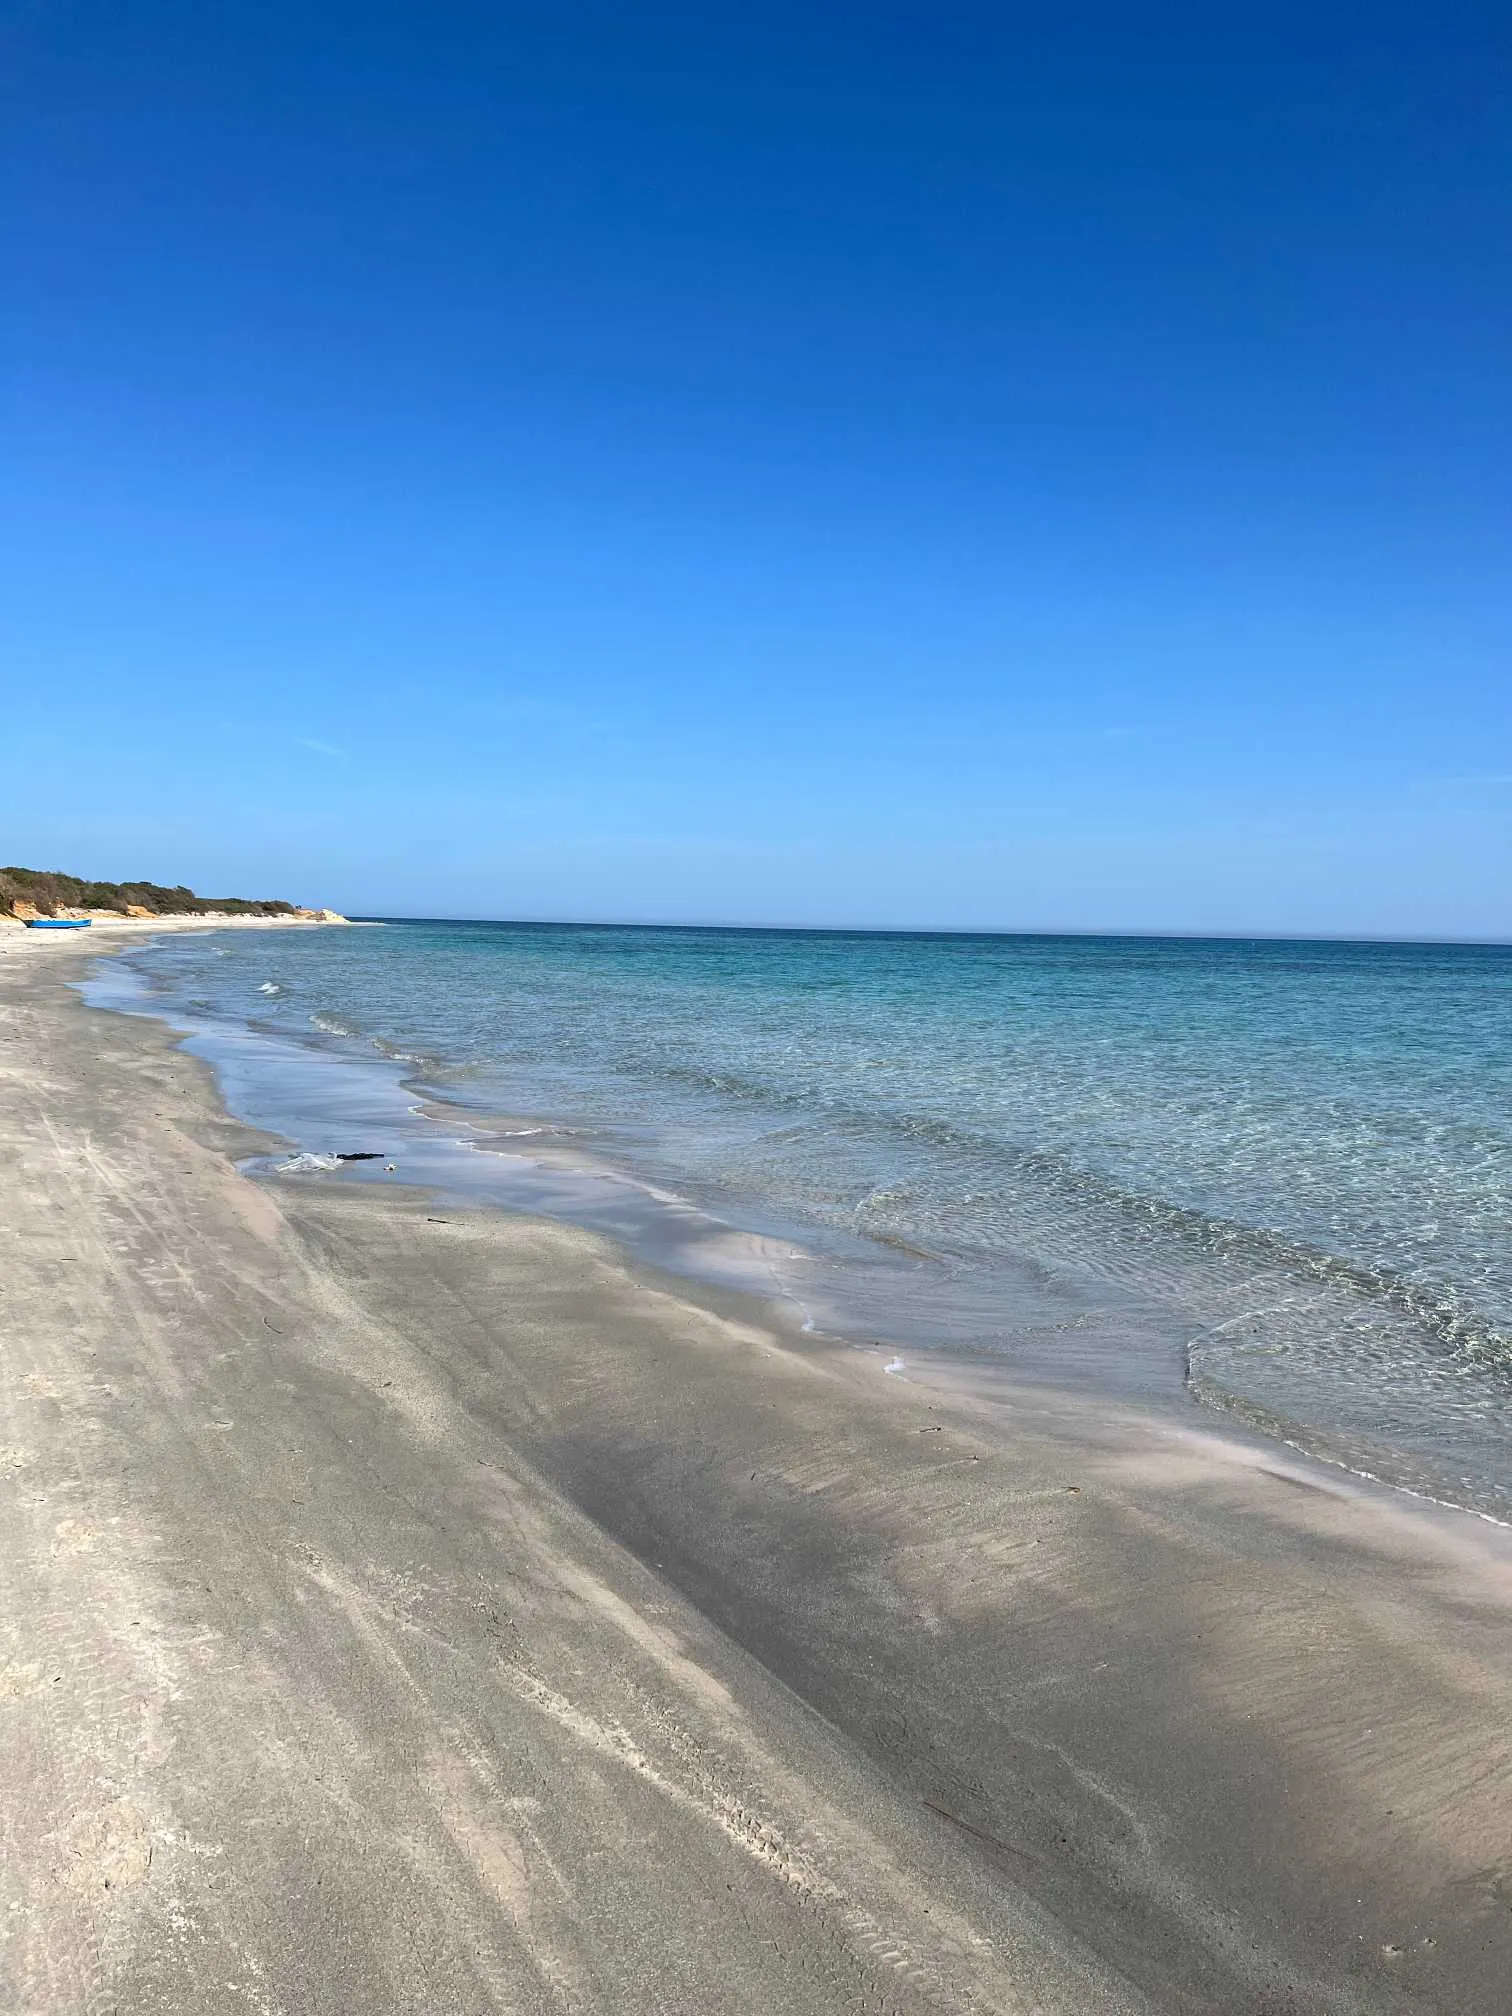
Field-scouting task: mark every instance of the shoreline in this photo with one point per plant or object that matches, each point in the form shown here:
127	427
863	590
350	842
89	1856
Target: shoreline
1030	1317
563	1182
451	1608
113	929
312	1093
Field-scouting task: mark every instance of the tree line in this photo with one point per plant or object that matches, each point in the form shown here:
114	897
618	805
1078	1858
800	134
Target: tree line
48	891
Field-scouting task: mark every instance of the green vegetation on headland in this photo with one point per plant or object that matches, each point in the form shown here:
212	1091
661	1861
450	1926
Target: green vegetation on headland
36	890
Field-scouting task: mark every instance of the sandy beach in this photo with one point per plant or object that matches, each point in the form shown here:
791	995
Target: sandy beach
413	1609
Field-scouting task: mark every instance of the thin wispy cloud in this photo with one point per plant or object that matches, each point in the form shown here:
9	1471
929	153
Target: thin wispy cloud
320	748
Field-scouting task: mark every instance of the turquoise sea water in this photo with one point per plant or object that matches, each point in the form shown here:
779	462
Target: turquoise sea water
1292	1162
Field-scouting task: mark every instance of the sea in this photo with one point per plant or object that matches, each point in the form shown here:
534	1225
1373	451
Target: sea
1271	1179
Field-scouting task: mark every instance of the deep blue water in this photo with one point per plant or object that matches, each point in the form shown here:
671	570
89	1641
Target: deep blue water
1294	1158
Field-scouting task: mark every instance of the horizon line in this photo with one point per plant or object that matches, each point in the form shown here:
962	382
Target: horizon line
943	930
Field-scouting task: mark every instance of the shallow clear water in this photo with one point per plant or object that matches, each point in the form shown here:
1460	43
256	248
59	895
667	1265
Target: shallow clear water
1293	1159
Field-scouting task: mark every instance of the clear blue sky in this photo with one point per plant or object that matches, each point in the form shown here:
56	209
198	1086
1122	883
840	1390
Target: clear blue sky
901	465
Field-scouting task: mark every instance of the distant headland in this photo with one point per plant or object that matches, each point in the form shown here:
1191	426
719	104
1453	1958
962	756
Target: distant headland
38	892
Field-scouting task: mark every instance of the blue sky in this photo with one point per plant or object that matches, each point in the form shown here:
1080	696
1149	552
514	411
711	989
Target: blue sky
964	466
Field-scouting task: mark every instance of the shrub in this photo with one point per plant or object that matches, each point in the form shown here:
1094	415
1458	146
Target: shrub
50	891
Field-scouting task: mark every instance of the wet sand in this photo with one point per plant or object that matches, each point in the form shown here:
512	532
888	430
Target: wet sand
417	1609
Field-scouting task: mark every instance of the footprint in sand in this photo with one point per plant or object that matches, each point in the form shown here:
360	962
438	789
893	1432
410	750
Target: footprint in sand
68	1391
108	1849
71	1537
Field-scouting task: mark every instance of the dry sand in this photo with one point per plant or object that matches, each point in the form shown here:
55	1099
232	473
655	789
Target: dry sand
407	1609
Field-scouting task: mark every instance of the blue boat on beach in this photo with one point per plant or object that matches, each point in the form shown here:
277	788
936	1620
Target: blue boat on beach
58	923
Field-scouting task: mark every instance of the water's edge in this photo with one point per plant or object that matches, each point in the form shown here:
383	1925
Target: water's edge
1057	1326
